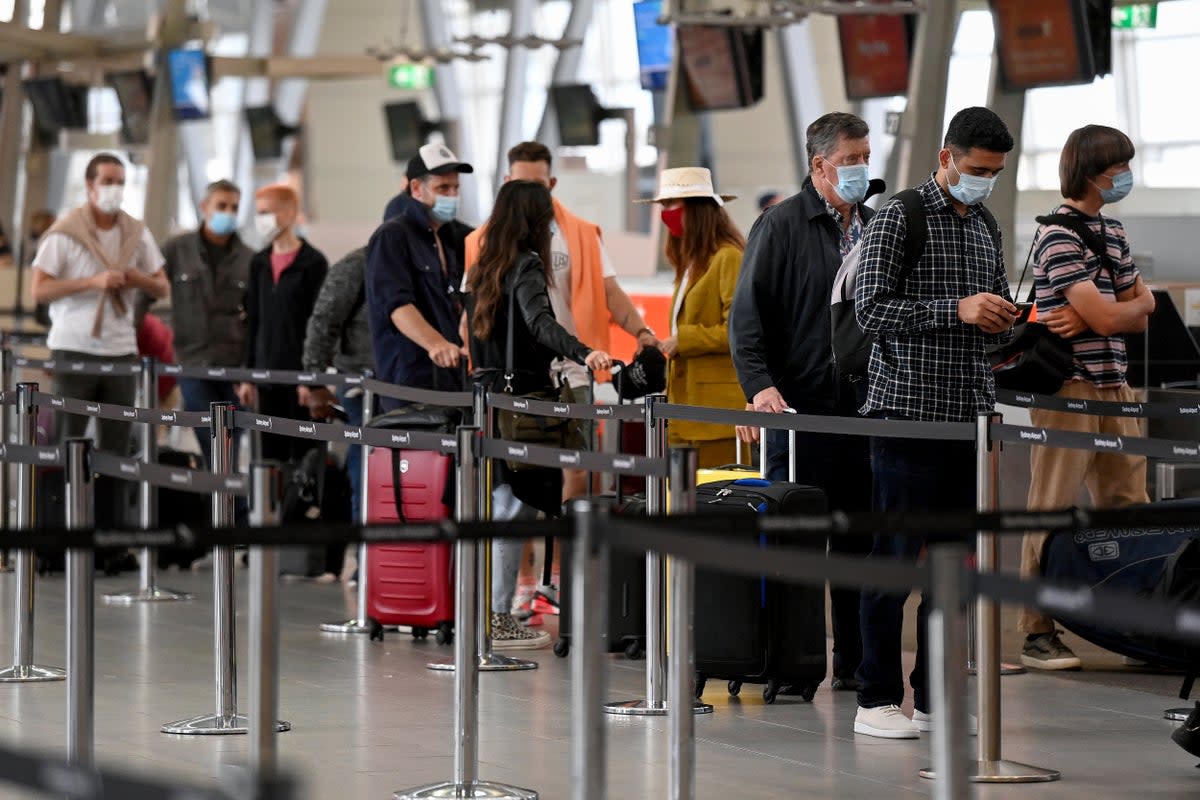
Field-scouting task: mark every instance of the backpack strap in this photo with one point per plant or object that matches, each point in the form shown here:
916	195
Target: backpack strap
1095	242
917	227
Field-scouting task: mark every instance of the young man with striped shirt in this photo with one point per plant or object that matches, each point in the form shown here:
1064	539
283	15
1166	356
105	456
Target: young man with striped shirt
1093	299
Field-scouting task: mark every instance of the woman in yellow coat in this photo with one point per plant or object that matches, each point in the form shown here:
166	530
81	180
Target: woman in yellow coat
705	248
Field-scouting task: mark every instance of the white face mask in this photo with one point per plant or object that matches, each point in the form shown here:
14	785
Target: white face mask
266	226
109	198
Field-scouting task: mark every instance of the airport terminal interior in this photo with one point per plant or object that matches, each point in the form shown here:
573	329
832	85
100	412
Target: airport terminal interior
294	130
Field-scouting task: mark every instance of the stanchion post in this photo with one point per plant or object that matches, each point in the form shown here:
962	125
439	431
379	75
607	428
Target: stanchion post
81	610
360	623
465	782
1166	487
989	767
23	670
265	512
681	702
947	678
148	590
589	677
6	386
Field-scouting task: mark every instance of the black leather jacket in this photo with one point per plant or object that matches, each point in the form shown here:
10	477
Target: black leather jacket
538	339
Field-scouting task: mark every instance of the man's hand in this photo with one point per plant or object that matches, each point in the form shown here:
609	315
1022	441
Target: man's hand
991	313
770	401
669	346
447	355
317	399
247	395
748	433
1065	321
647	339
108	280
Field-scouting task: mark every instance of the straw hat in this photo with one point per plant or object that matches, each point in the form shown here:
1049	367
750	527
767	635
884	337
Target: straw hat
681	182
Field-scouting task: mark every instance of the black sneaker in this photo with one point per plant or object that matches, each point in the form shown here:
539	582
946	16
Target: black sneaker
845	684
1046	651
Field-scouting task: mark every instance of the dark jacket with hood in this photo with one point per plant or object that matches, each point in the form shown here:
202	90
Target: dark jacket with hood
779	323
403	268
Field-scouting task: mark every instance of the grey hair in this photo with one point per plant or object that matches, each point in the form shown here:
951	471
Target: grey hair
823	135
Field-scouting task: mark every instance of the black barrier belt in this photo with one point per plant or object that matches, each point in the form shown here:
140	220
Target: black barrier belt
1160	409
246	375
352	434
31	454
184	480
179	419
545	408
1180	449
54	776
574	459
412	394
81	367
23	337
812	423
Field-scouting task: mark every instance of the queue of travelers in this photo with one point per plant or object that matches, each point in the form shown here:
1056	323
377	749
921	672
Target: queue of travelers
523	304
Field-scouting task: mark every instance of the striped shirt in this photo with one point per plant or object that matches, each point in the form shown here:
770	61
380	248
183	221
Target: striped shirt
926	364
1061	260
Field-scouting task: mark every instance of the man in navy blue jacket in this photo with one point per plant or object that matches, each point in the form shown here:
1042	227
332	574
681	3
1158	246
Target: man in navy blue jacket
414	271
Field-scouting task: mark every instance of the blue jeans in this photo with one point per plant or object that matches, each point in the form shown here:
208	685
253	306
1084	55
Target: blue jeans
910	475
354	416
198	394
506	553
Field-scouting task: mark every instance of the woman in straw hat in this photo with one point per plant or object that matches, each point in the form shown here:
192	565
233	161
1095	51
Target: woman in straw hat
705	248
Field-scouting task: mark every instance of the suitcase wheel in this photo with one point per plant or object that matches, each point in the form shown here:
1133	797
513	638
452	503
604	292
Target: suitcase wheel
376	629
562	648
445	633
634	650
771	692
701	682
420	633
735	688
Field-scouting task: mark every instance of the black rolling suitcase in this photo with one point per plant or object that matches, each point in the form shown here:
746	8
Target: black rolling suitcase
756	630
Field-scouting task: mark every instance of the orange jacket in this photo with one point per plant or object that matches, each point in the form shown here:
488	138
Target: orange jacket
589	305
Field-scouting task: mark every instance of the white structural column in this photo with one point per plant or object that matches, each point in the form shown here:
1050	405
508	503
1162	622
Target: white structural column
512	99
566	67
802	87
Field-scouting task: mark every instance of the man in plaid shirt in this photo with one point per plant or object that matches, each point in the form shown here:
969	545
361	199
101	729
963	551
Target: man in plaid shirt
932	323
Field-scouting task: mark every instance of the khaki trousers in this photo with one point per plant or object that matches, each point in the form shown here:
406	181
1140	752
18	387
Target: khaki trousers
1056	476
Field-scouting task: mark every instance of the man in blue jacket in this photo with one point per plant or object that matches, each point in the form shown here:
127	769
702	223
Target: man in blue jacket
414	270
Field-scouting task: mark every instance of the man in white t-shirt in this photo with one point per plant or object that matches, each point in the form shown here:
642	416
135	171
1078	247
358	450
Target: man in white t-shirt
89	269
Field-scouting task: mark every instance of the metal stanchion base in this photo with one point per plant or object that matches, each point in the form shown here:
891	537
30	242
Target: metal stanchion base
1177	714
492	662
349	626
216	725
639	708
32	674
457	791
1005	669
1005	772
151	595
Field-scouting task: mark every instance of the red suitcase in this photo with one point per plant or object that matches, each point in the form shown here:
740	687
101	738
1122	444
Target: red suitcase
410	584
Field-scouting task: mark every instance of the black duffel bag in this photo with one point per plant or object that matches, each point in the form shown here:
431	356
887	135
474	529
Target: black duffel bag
1035	360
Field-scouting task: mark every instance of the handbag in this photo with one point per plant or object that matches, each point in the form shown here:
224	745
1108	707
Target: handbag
544	431
1036	359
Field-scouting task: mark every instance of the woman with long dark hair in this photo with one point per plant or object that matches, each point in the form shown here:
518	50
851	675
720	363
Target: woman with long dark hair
514	272
705	248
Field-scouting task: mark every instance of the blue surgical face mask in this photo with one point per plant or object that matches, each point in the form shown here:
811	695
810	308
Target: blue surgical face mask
852	184
444	208
222	223
970	190
1122	185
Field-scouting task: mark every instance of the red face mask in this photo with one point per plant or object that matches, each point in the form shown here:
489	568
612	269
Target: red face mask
673	219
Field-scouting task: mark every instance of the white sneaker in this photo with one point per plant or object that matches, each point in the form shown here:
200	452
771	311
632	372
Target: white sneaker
885	722
924	722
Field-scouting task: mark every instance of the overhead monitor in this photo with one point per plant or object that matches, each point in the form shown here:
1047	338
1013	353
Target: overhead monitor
1043	43
723	66
135	95
55	106
407	129
655	43
578	113
875	54
266	132
188	70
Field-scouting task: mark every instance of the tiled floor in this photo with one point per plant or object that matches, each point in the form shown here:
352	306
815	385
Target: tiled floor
369	718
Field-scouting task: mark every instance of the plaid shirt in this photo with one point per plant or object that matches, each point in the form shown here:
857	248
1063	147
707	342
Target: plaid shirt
926	364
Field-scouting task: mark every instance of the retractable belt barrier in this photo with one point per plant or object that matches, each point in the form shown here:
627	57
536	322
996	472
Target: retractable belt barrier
555	457
1180	449
326	432
155	416
546	408
114	368
853	426
1158	409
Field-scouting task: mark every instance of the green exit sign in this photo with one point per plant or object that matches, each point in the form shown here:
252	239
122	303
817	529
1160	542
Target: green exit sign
409	76
1142	15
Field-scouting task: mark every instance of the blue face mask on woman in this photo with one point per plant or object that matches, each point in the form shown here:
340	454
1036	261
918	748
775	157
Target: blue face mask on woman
970	190
1122	185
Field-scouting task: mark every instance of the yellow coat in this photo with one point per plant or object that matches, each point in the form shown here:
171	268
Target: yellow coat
702	373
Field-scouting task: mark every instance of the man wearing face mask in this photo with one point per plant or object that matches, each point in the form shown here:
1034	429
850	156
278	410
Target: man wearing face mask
779	336
89	268
208	269
285	278
414	270
933	321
